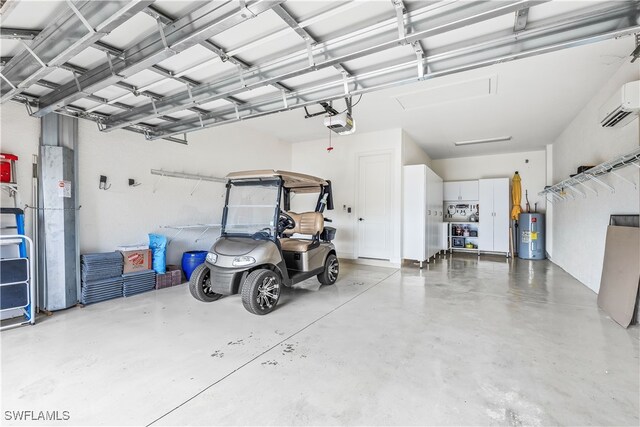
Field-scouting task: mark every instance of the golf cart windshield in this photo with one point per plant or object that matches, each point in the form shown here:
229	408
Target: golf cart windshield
252	207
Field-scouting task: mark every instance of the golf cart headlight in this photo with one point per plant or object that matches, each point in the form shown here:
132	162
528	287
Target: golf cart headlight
241	261
211	258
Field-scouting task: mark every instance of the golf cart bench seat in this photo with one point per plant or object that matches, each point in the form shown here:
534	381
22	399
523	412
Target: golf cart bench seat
308	223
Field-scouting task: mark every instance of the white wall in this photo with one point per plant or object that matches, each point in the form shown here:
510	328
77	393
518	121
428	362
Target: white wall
340	166
124	215
533	173
579	226
412	153
549	218
19	135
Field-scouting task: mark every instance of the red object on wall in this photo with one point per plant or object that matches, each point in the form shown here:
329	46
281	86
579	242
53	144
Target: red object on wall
7	167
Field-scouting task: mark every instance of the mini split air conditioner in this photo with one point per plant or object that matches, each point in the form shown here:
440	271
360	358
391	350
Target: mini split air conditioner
622	107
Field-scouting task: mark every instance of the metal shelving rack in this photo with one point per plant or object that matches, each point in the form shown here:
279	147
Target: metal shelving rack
558	191
19	280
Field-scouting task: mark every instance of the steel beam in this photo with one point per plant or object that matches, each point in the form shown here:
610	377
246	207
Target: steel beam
208	44
204	23
256	77
18	33
556	35
304	34
63	39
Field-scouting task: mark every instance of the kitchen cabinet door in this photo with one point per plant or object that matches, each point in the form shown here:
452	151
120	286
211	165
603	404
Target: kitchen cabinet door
451	191
468	190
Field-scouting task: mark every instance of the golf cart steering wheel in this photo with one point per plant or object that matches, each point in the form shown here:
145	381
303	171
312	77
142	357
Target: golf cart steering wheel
286	221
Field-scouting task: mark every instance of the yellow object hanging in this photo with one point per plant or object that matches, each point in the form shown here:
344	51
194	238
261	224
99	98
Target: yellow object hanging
516	196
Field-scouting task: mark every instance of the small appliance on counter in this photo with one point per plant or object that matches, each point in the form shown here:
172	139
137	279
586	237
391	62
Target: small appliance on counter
457	242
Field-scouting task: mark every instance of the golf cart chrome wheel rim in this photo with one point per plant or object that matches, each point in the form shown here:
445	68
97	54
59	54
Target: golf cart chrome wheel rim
206	284
268	292
333	270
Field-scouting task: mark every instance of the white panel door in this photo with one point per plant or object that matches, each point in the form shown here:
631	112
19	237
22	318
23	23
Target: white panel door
502	213
414	241
485	227
468	190
451	191
374	206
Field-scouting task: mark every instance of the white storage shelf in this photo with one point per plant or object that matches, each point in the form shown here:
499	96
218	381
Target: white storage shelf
471	226
493	227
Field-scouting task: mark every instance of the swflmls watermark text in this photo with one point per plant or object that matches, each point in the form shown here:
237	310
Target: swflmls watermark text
37	416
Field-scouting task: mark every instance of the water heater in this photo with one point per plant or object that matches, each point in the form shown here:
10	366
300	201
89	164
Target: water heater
531	236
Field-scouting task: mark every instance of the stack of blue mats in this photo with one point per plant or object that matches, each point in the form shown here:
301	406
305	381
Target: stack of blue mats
101	276
138	282
101	290
101	266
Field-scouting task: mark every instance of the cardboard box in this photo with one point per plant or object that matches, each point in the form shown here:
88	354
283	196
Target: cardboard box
137	260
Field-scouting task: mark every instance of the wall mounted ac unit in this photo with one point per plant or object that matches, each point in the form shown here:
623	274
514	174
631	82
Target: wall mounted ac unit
622	107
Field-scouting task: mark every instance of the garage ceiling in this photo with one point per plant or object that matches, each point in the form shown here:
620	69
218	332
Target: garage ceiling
166	68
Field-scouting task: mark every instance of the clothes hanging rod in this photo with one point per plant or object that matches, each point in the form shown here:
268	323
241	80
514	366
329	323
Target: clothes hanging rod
594	173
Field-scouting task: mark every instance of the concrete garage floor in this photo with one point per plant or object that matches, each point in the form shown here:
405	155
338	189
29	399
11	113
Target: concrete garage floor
465	342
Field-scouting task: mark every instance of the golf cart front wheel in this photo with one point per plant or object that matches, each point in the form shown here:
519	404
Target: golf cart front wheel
261	291
200	284
331	270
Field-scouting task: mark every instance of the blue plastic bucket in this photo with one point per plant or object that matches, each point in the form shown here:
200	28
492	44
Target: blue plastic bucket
192	259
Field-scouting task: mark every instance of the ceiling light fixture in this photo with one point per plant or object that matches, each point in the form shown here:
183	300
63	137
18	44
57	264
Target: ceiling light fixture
482	141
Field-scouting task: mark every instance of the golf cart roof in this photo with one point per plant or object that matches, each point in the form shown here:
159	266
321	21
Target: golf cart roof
297	182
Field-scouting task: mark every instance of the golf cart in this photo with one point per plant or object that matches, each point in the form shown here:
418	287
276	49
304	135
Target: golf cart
263	246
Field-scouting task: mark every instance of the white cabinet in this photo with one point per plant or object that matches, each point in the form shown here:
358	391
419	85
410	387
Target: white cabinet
421	214
493	233
444	236
460	190
468	190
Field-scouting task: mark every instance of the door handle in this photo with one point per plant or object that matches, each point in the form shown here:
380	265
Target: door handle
360	219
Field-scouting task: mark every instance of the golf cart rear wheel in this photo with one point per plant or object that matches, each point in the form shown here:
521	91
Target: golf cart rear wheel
200	284
261	291
331	270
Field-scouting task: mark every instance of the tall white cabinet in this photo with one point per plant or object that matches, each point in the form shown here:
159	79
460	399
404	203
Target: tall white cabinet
493	231
422	213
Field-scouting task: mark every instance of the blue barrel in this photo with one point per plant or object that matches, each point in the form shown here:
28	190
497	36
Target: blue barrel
192	259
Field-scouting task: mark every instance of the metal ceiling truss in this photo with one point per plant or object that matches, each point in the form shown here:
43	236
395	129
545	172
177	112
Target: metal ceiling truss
84	23
18	34
203	23
599	23
304	62
74	30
